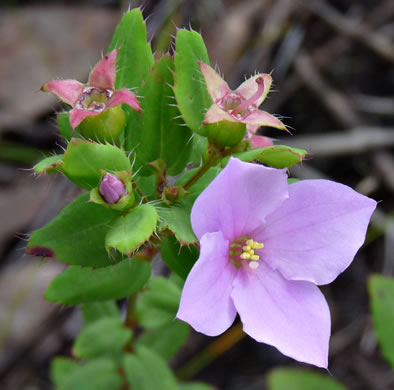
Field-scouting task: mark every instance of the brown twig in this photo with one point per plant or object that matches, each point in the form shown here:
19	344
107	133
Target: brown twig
378	42
352	141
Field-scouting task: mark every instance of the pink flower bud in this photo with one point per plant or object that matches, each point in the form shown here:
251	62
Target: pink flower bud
112	188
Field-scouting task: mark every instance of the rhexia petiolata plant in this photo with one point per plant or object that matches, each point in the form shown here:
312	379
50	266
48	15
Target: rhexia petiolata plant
176	168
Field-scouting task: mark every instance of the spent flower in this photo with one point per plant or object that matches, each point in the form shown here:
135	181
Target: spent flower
239	107
265	246
96	97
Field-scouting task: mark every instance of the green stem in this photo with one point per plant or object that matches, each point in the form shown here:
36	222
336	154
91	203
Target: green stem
213	159
212	352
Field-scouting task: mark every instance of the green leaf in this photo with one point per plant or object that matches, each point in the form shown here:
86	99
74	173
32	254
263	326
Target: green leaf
288	378
278	156
190	89
79	285
163	136
65	129
134	61
176	218
94	311
147	184
195	386
158	304
381	291
135	57
49	164
76	235
99	374
102	338
179	259
140	367
61	369
84	160
167	339
128	232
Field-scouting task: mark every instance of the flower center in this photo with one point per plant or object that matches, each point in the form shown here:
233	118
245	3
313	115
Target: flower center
245	105
239	107
94	99
242	250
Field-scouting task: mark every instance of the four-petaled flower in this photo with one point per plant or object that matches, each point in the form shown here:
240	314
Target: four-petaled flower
265	246
241	105
95	97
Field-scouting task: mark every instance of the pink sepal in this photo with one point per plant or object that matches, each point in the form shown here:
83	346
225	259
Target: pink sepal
262	118
249	87
124	96
103	75
217	87
67	91
77	116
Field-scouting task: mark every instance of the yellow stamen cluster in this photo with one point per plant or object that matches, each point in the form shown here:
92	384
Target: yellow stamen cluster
247	252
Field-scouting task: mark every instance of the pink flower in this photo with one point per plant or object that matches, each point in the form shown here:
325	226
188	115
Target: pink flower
97	95
265	246
241	105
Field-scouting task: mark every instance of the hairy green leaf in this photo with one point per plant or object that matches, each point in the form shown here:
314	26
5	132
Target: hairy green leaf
76	235
139	369
85	160
128	232
102	338
158	304
167	339
180	259
79	285
294	379
190	89
278	156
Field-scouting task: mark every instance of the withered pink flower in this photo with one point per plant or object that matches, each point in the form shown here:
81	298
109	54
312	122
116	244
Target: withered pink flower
95	97
240	105
265	247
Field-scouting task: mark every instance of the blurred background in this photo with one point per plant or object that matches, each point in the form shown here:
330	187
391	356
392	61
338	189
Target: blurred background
332	65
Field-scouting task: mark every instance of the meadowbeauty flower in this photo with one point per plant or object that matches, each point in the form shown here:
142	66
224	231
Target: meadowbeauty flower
265	247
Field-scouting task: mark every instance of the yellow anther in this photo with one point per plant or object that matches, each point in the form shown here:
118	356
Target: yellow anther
245	250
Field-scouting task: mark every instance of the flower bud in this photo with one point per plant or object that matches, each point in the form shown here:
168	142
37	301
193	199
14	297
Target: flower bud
173	194
111	188
106	126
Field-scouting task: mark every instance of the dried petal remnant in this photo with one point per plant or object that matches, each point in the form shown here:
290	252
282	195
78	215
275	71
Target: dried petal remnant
95	97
